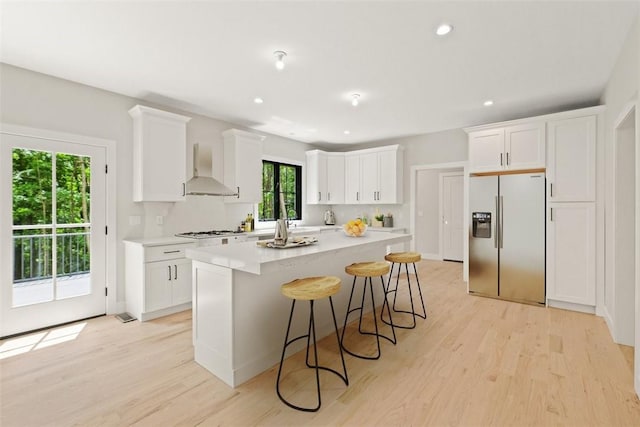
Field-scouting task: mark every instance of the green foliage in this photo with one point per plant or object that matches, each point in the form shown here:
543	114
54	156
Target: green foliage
34	204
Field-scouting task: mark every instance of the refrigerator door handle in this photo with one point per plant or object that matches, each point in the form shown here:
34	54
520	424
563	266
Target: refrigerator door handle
495	225
501	221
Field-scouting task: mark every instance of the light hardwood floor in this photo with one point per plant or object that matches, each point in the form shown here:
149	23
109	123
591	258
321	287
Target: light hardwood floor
474	361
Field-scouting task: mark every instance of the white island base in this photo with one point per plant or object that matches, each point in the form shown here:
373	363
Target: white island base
240	316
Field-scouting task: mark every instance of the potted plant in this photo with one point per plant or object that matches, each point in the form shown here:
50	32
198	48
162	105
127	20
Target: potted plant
377	222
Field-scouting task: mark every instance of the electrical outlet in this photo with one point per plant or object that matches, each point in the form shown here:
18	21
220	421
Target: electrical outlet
159	219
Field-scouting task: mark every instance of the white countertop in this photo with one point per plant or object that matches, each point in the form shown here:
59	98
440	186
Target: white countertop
251	258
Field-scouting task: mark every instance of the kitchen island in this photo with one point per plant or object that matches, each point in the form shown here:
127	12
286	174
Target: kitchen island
239	315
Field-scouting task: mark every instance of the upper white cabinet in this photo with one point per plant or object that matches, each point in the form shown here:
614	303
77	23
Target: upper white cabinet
159	155
571	161
507	148
374	176
325	177
351	178
243	165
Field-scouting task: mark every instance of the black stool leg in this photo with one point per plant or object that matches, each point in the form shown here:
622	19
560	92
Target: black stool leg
424	310
377	333
413	312
311	330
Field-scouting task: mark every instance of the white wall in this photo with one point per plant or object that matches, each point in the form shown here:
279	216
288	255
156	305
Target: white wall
621	89
41	101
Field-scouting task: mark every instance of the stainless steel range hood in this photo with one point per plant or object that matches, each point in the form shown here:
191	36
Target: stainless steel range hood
205	185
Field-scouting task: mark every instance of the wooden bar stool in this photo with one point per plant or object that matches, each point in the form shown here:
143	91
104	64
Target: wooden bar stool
405	258
311	289
367	270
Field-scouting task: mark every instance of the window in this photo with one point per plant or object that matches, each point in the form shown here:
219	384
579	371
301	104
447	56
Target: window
286	179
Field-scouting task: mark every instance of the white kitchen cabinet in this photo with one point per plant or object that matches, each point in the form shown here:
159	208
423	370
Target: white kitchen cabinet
374	176
571	255
243	165
159	155
507	148
351	178
157	278
325	178
571	162
335	178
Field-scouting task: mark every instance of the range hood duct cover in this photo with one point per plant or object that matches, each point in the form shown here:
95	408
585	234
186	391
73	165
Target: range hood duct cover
205	185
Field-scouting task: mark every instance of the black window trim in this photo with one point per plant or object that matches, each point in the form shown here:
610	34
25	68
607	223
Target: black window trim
299	173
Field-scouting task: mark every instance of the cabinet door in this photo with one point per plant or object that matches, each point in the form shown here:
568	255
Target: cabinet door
571	168
571	253
369	178
243	165
352	179
524	146
316	178
159	155
389	176
486	150
335	179
157	288
181	281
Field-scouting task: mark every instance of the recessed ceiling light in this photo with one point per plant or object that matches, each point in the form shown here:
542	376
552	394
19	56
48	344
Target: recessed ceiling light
488	103
347	132
258	100
444	29
280	54
355	99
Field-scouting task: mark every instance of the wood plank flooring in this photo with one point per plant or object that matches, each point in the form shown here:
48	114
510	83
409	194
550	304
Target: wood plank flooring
474	361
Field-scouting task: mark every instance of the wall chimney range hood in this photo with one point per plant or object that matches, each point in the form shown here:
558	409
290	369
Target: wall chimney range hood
205	185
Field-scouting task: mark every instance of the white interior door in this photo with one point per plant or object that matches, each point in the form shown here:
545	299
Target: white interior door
452	196
52	232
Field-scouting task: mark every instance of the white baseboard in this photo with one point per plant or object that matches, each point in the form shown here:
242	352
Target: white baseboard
609	321
589	309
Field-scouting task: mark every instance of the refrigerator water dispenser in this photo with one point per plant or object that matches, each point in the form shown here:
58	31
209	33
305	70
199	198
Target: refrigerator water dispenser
481	224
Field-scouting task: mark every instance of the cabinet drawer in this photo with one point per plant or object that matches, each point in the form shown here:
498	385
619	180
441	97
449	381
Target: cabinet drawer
159	253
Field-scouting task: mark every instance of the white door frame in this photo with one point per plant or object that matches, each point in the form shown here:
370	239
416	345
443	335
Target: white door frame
412	204
441	210
110	154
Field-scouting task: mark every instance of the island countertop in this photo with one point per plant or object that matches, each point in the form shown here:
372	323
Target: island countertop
251	258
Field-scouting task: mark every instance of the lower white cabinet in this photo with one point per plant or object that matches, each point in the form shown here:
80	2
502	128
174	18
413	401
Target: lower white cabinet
571	255
158	279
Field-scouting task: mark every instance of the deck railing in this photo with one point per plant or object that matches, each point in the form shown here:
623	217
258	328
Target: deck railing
33	251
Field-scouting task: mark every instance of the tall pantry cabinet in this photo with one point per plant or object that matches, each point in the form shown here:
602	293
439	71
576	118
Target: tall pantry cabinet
571	212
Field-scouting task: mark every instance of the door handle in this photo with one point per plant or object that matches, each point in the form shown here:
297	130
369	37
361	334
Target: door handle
501	222
551	189
495	225
175	271
169	267
508	158
238	188
328	196
501	160
319	196
551	215
357	196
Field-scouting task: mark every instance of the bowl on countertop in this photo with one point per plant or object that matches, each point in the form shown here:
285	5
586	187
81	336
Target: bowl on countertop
354	228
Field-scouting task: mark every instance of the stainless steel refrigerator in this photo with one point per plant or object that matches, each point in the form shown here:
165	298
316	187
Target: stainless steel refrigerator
507	237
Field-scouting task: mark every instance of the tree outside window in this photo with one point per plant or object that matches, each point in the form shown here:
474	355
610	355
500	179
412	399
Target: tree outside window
285	178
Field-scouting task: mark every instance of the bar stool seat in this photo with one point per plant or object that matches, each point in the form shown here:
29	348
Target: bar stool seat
311	289
367	270
405	258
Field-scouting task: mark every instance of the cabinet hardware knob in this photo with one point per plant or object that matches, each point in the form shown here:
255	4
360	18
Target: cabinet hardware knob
175	271
171	252
169	267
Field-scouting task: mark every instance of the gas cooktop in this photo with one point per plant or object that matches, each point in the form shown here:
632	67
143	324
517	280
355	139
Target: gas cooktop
207	234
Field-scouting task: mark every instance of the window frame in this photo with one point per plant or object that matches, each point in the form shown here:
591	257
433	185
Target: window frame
298	167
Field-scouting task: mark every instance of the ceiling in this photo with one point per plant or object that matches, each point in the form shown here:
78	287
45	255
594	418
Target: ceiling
215	57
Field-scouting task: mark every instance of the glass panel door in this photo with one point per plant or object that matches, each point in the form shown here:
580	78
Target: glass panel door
56	195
